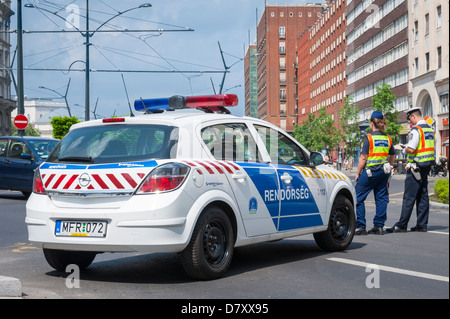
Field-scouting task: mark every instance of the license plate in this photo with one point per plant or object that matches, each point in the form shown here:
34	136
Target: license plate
73	228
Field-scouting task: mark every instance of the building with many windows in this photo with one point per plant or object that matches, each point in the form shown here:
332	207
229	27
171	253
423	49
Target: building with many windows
321	59
377	52
429	64
251	83
277	34
6	104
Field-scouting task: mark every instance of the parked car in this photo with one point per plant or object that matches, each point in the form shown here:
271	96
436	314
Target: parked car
19	157
190	182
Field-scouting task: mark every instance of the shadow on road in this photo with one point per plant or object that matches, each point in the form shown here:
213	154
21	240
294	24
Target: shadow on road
166	268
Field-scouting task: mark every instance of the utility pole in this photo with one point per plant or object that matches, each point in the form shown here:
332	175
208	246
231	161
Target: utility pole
87	92
20	90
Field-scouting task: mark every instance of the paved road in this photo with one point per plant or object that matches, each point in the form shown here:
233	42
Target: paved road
411	265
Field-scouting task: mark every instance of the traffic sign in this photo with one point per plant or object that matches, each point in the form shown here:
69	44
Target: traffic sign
21	122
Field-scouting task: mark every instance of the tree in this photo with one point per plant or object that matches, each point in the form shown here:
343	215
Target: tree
29	131
318	133
348	118
383	101
62	124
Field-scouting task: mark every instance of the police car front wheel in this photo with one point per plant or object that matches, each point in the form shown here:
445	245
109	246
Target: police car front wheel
341	226
210	250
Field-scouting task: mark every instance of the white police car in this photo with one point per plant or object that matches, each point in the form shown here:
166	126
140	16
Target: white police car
191	182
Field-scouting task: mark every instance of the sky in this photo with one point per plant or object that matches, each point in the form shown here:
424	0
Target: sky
228	22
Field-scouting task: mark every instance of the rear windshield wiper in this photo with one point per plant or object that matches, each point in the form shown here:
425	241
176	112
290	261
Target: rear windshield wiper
87	159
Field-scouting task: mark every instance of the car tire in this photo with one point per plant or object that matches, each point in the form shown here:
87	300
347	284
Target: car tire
60	259
341	226
210	250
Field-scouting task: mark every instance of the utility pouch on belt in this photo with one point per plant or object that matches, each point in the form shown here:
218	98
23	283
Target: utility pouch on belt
387	168
415	170
369	172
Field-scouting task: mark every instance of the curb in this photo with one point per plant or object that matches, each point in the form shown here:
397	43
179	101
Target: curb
439	206
10	287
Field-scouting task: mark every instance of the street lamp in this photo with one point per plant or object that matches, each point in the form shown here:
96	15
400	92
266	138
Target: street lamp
88	34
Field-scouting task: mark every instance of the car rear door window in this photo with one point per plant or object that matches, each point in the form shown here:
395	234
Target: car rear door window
231	142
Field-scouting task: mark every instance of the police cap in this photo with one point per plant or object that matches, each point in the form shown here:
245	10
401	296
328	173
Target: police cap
411	111
377	115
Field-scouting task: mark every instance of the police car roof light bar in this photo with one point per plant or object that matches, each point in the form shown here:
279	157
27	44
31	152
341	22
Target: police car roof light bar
207	103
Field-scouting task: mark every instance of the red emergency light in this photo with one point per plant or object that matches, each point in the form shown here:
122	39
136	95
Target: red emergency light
207	103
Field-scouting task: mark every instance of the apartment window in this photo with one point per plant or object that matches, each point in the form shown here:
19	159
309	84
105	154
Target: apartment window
282	32
309	14
416	62
443	101
282	78
439	57
427	24
282	109
283	63
427	61
438	17
282	47
416	30
282	94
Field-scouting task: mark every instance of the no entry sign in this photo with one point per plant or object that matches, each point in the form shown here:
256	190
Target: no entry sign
21	122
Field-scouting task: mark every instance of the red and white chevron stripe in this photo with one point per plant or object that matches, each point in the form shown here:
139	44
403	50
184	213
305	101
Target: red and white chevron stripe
92	181
215	167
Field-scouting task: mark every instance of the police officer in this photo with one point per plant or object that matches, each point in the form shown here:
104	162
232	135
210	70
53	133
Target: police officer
373	173
420	157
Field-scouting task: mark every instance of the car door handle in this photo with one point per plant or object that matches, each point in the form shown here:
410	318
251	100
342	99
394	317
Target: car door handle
7	162
286	178
239	176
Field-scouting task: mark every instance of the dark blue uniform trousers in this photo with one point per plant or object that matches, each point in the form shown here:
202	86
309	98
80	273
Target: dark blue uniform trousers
416	192
378	183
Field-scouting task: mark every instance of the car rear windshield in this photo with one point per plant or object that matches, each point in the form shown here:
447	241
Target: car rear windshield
116	143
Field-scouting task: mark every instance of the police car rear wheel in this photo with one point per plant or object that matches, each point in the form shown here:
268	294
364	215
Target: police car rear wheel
210	250
341	227
60	259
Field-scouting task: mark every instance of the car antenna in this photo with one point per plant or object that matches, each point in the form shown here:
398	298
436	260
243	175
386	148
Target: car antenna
126	92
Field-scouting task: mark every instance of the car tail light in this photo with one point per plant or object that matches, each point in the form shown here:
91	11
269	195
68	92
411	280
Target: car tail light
38	185
164	178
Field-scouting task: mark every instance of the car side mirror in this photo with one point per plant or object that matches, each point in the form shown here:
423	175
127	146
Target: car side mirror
316	159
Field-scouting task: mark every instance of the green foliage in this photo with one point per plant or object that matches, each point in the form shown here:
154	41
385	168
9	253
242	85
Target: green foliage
383	101
29	130
318	133
348	118
62	124
441	190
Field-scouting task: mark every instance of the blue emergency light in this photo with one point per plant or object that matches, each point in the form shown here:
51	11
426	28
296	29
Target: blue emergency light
207	103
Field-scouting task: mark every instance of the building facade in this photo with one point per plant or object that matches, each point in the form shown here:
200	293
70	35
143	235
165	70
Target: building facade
429	64
40	112
277	34
325	53
7	105
251	83
377	52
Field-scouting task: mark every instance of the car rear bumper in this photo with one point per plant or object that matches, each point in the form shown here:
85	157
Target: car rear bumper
138	224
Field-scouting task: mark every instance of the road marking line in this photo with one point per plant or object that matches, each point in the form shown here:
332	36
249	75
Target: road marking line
391	269
438	232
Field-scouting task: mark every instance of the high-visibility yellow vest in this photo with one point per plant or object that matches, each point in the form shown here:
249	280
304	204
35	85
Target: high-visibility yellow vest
425	149
379	146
